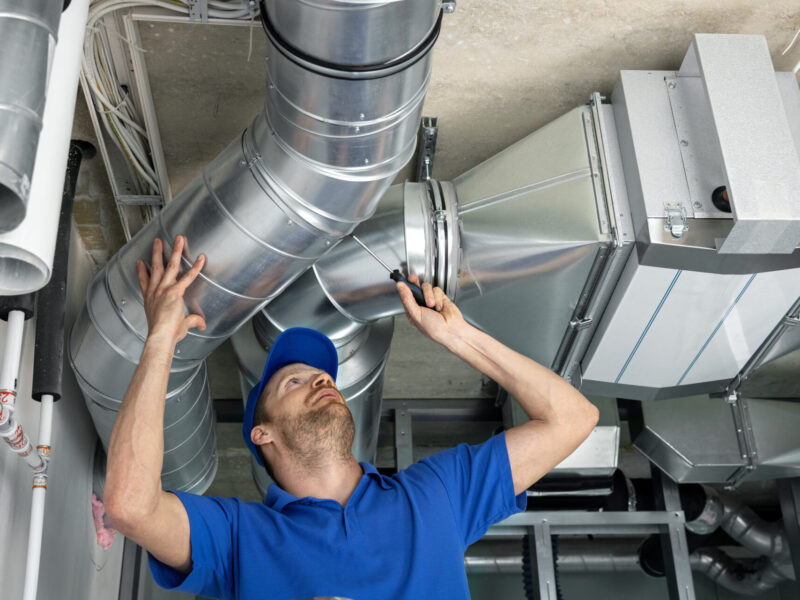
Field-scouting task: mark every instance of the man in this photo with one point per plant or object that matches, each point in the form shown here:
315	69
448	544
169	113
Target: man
330	526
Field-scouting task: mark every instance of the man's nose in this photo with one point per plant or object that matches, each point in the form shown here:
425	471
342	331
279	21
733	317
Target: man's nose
322	380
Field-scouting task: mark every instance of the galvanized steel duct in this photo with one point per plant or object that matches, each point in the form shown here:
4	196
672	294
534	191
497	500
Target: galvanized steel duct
28	34
525	233
312	165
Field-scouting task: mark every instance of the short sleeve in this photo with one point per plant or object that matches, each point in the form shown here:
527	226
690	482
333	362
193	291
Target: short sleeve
479	485
212	522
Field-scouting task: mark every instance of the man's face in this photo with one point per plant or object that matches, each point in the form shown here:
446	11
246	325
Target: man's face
307	411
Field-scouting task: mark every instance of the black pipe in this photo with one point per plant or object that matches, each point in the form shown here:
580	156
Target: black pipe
48	355
23	303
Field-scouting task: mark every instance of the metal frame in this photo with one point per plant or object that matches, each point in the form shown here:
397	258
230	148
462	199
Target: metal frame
789	491
130	571
128	57
669	523
428	133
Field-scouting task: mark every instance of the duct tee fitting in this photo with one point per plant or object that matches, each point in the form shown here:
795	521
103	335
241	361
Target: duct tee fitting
415	229
312	165
28	34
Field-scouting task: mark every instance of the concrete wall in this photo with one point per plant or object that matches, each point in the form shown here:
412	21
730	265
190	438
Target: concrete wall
74	567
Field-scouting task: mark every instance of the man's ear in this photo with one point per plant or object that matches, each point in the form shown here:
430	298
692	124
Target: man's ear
261	434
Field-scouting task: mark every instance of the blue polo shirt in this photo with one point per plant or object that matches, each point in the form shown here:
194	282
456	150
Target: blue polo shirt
397	537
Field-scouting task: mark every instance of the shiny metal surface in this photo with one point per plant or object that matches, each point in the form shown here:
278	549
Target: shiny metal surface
694	439
353	32
354	282
760	162
691	439
530	235
710	517
28	34
311	167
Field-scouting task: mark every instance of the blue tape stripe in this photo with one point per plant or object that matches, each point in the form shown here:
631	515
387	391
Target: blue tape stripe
713	333
647	327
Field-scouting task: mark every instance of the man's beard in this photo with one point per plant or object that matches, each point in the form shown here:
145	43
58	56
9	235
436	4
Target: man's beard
315	436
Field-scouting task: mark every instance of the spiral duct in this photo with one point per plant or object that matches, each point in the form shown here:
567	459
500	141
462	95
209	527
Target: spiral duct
28	34
311	167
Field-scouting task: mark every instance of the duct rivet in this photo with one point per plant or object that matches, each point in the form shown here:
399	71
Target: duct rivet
671	85
243	162
290	222
177	351
327	242
698	205
684	143
123	302
357	129
366	161
361	116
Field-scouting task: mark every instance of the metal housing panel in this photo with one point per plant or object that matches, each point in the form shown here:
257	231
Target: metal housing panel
530	233
668	328
761	163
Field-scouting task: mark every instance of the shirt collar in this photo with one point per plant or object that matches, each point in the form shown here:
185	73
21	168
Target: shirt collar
277	498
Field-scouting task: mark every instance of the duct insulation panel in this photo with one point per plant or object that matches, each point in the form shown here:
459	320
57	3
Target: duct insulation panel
671	332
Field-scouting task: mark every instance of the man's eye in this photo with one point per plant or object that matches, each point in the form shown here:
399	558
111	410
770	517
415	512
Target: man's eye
293	381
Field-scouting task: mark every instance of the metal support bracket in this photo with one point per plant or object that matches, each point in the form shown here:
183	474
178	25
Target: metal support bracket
428	132
540	550
674	546
403	443
744	436
789	492
198	10
130	569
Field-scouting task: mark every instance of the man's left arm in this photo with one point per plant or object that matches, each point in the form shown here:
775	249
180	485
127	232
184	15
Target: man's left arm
561	418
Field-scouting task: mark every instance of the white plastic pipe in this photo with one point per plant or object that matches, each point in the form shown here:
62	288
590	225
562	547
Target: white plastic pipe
12	353
26	253
38	501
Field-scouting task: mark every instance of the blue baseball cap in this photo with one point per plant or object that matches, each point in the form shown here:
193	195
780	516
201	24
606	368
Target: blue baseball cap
295	345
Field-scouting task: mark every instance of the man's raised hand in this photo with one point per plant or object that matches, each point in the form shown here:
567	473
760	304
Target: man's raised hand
441	320
163	292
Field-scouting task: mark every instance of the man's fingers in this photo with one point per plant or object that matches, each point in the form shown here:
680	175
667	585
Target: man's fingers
439	297
195	322
157	264
407	298
187	278
413	279
174	264
144	278
427	291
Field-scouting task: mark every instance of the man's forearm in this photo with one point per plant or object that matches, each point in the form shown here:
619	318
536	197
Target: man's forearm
136	449
543	395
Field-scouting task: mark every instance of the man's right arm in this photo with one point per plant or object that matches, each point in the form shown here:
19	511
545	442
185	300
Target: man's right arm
135	502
